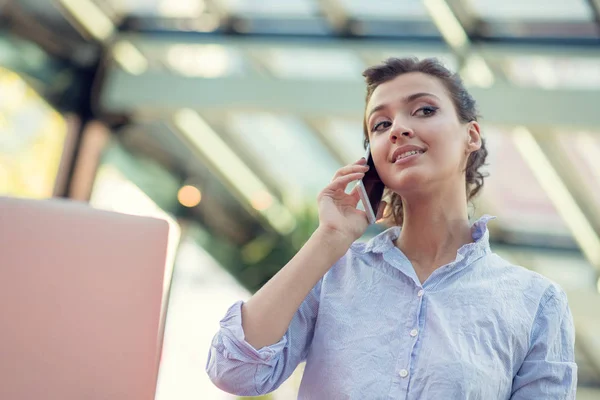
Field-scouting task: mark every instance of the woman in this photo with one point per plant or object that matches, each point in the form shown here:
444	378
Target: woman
425	310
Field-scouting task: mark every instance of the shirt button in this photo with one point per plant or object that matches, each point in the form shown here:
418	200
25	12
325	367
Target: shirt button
403	373
414	332
420	294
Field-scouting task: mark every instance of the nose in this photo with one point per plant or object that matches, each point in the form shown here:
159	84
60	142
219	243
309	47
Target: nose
400	130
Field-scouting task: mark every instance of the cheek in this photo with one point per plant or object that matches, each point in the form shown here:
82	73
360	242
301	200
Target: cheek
379	150
443	138
447	158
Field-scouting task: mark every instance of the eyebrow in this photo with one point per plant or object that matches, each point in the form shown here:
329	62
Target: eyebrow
407	99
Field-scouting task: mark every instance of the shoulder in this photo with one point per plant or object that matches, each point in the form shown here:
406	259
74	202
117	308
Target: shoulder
375	246
356	265
536	289
357	255
369	251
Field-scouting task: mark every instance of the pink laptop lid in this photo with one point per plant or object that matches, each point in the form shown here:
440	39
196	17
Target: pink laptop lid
80	302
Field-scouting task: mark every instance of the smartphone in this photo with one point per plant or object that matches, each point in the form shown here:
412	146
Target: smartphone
370	189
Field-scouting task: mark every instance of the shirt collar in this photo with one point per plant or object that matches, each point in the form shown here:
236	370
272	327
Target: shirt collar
479	231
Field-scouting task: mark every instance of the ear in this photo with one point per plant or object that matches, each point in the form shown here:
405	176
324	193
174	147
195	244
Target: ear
473	138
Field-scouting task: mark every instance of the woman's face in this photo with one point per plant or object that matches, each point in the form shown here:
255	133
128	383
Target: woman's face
417	141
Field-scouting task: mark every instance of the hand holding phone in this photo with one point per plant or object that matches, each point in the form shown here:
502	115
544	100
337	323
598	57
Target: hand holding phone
370	189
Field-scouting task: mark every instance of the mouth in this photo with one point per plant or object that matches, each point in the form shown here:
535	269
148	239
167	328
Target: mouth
407	156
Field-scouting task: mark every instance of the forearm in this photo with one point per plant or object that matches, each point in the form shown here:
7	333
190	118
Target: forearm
267	315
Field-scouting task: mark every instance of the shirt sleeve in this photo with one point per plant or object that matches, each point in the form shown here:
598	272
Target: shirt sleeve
236	367
549	370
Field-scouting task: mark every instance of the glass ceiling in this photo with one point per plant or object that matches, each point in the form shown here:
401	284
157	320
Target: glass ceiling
532	10
570	19
325	63
386	9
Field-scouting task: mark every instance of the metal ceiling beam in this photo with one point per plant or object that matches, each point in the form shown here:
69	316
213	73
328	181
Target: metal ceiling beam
335	14
402	47
464	14
573	180
577	184
595	8
164	92
563	185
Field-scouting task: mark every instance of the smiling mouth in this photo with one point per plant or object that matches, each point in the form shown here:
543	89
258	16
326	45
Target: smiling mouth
408	154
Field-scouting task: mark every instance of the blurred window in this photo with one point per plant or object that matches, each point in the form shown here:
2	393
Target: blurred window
32	138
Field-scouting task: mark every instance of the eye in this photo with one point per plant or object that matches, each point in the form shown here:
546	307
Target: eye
381	125
426	111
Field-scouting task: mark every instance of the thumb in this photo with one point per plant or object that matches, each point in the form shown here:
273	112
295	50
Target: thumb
355	196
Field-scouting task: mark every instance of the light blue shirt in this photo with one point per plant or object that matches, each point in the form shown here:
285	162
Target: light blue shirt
478	328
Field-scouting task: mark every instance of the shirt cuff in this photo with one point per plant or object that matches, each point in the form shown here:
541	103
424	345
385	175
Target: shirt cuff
231	342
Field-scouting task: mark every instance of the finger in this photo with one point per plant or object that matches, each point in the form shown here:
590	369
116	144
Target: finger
341	182
350	169
355	196
361	213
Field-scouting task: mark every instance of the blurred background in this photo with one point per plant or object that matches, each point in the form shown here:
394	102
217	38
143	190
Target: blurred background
226	118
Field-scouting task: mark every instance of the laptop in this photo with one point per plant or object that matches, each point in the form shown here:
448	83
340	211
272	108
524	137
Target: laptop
80	301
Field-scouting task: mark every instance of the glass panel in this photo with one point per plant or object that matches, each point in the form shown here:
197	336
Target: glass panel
514	193
579	32
345	136
537	10
157	8
32	137
300	8
134	7
203	60
290	152
554	72
582	149
313	64
386	9
391	28
389	18
536	19
282	25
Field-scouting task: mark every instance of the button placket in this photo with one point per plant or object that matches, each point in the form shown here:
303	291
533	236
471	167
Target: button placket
403	373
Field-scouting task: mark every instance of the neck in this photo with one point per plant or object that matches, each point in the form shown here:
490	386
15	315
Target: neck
434	228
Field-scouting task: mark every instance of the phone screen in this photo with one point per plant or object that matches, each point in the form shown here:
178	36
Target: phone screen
370	189
373	185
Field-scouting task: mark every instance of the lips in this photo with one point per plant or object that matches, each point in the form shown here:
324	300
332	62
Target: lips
406	151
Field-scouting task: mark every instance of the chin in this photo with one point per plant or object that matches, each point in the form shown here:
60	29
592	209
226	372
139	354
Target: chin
406	182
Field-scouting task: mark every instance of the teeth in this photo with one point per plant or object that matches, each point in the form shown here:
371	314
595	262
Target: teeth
408	153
